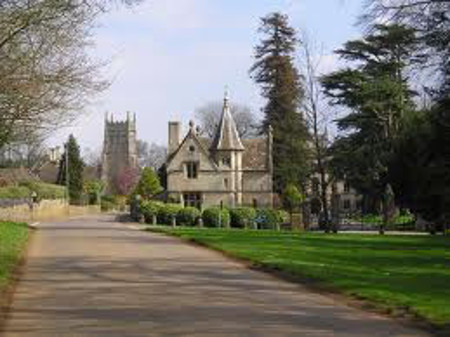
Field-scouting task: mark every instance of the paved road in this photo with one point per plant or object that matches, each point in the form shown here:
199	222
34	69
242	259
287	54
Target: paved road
94	277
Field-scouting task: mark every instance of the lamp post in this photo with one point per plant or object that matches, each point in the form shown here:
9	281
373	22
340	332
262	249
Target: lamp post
66	146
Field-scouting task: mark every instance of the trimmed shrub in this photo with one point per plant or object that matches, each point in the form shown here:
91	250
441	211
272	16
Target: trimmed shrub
267	218
108	203
188	216
283	216
242	217
149	209
167	212
211	217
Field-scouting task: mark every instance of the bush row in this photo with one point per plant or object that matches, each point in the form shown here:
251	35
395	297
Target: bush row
241	217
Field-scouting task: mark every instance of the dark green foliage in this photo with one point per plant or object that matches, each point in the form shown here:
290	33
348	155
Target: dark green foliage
148	185
376	93
162	175
149	209
74	170
281	86
267	218
242	217
188	216
167	212
108	203
420	173
13	237
215	217
397	272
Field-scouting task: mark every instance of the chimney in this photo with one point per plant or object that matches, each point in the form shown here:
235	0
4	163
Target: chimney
174	136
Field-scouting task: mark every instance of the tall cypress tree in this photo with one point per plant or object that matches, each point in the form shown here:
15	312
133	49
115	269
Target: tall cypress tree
281	86
74	170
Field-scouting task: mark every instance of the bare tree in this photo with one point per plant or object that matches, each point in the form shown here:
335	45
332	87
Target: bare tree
29	152
46	74
315	108
92	157
151	155
208	117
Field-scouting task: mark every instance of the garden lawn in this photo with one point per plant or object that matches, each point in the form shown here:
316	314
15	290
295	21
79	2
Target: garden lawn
396	272
13	237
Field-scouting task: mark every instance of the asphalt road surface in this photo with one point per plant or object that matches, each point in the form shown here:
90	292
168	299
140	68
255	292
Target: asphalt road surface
96	277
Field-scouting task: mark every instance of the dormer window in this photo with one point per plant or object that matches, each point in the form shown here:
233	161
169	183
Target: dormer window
192	170
226	161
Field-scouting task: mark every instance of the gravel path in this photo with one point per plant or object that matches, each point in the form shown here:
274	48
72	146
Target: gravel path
96	277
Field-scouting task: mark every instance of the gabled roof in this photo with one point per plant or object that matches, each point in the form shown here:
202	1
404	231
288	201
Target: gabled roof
227	136
200	143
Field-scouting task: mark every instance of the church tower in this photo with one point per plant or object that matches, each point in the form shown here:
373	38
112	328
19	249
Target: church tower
119	150
228	149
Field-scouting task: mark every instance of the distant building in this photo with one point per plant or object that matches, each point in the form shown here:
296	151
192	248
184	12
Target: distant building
225	169
119	150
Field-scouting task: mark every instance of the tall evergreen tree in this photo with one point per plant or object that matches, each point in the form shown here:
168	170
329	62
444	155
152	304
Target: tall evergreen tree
377	95
74	170
281	86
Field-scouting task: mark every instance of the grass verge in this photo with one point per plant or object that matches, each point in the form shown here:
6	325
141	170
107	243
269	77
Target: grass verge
13	237
404	275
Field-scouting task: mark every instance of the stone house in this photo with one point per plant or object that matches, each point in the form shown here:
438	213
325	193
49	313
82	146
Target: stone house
223	170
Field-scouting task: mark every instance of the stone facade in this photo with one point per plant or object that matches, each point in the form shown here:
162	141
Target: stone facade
224	170
119	150
348	199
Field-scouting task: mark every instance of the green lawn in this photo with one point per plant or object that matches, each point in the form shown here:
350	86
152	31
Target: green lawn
13	237
396	272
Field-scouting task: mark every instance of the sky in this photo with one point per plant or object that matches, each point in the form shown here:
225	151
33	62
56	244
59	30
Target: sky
168	57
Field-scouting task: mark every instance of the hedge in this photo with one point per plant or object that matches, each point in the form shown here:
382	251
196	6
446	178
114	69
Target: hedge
242	217
25	188
167	212
14	192
188	216
267	218
149	209
211	217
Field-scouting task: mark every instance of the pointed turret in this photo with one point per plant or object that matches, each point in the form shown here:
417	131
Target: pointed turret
227	137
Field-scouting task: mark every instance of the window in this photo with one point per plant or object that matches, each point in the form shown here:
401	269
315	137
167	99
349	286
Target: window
192	148
192	170
347	204
192	200
225	183
226	161
346	187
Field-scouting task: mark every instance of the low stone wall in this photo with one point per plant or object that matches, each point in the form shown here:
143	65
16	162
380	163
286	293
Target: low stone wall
24	210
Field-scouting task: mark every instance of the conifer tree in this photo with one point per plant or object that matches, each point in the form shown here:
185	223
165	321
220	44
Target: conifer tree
74	170
281	86
378	97
148	185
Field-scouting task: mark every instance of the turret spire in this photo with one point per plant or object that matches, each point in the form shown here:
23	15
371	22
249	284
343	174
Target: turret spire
227	136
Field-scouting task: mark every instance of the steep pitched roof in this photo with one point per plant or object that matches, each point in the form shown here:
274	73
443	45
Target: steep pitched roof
256	154
227	136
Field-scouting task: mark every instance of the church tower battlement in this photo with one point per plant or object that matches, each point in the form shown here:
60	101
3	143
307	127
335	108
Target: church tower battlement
119	149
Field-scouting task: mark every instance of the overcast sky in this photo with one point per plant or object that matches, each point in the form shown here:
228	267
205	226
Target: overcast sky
168	57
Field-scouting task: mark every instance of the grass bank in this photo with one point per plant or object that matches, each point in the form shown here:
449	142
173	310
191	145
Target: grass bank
13	237
402	274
